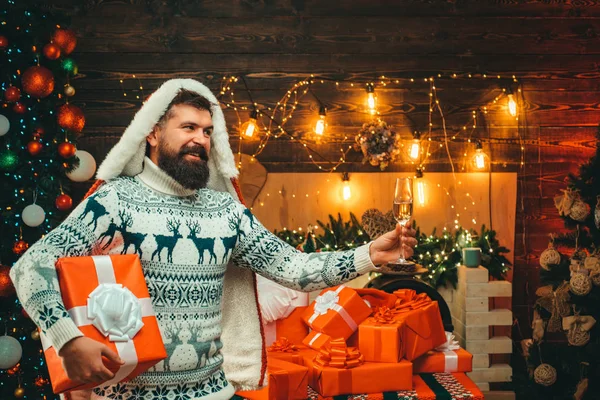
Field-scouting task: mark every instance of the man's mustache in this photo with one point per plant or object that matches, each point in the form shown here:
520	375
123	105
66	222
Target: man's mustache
197	150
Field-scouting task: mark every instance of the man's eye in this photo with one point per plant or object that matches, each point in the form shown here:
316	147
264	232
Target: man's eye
189	127
208	132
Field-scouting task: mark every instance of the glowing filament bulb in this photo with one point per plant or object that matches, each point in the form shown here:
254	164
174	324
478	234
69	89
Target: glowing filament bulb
415	149
250	126
480	159
320	125
512	105
371	99
346	192
420	187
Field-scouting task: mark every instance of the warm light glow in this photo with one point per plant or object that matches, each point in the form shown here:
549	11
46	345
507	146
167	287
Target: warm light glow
320	125
371	99
421	191
250	126
346	193
415	149
479	159
512	105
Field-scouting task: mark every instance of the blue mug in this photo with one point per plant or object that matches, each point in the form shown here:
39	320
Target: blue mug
471	257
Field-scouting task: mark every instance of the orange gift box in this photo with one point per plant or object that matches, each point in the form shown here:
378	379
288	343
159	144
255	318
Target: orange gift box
337	312
285	350
423	329
285	381
292	328
366	378
380	342
86	284
458	360
316	340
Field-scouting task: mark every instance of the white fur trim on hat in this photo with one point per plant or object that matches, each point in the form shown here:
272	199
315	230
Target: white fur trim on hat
127	156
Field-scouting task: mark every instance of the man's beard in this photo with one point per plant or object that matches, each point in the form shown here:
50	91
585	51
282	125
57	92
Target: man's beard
191	174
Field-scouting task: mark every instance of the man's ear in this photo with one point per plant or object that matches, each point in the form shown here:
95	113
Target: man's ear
152	138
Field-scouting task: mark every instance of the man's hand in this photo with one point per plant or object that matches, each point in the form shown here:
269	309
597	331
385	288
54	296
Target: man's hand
82	360
388	247
79	395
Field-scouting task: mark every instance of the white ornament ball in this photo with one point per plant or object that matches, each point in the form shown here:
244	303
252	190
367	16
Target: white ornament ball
86	169
579	210
550	256
10	352
4	125
33	215
580	284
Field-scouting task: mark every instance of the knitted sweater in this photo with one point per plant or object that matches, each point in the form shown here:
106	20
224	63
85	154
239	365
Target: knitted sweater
185	240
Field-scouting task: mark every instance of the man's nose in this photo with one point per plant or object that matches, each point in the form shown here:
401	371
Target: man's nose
201	138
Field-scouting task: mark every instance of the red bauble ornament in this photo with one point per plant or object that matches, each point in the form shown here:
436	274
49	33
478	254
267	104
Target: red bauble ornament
65	39
71	117
6	285
20	247
34	147
19	108
39	381
51	51
12	93
38	132
14	370
66	150
64	202
3	42
38	81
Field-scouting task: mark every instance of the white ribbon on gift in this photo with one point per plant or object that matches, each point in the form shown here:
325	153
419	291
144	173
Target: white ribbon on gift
115	312
450	356
329	301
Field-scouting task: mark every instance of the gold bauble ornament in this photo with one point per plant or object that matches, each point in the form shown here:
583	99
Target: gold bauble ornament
580	284
550	256
19	392
35	335
69	90
545	375
578	337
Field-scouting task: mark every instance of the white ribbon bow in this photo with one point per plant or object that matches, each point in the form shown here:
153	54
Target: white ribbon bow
325	302
450	345
115	312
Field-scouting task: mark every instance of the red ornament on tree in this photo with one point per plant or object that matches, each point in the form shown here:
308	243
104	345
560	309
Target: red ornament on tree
66	150
6	285
38	132
14	370
65	39
12	93
38	81
64	202
20	247
52	51
3	42
19	108
34	147
71	117
39	381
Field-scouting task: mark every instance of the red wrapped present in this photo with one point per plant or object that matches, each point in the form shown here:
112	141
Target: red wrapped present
107	298
281	309
448	357
283	349
285	381
316	340
423	329
337	312
380	337
338	370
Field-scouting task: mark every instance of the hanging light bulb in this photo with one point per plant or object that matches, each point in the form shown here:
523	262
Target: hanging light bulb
415	146
371	99
479	159
512	103
420	187
320	125
346	193
250	126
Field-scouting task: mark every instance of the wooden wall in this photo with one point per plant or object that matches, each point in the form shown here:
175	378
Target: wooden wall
551	47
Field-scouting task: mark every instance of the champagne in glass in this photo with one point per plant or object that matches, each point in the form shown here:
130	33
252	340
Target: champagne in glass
403	208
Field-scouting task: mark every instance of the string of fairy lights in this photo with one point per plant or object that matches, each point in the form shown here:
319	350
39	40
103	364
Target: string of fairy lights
258	124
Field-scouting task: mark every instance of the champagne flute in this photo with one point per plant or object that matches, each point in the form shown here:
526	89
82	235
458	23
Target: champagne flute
403	209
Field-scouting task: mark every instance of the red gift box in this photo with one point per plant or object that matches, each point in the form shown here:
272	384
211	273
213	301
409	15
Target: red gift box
292	328
316	340
364	378
423	329
380	339
93	288
337	312
448	357
285	381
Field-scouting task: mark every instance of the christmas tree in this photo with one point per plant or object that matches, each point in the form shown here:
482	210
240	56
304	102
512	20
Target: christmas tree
564	353
38	159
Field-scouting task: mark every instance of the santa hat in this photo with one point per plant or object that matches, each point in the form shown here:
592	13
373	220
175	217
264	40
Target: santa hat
244	357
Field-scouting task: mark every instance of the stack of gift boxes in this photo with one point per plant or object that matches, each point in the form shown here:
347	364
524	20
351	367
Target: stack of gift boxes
357	341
